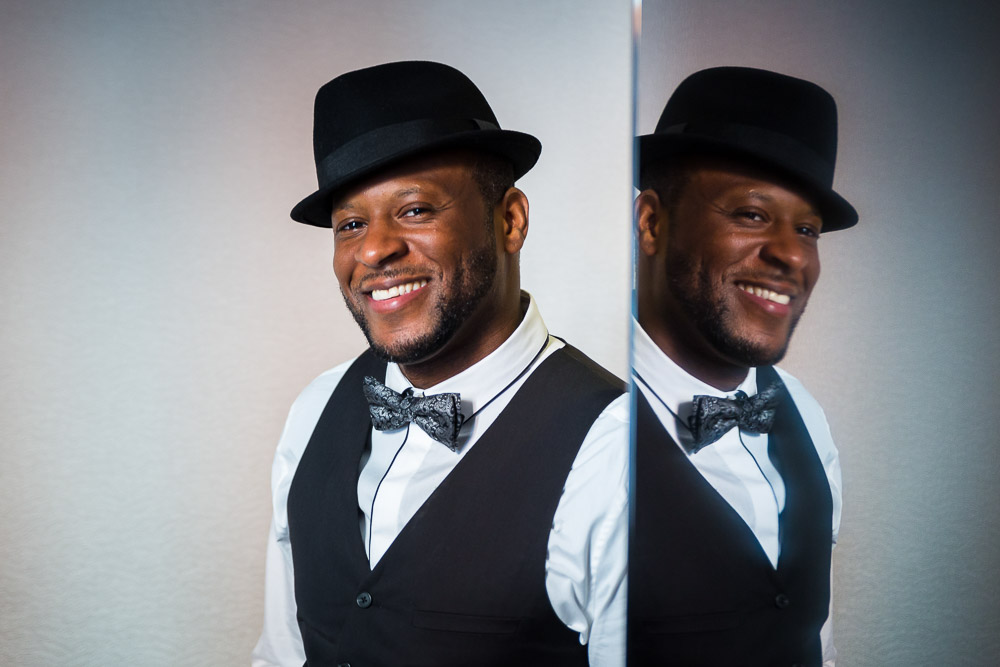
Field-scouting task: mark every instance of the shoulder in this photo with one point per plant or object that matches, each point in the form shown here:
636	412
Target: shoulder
815	421
605	449
320	389
587	559
588	370
595	496
302	418
603	453
615	417
807	405
309	405
610	429
819	430
803	399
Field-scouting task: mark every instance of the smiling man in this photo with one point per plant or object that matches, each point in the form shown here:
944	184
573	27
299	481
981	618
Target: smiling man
737	498
456	495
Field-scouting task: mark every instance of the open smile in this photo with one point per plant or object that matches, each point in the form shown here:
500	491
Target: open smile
775	299
765	293
397	290
389	296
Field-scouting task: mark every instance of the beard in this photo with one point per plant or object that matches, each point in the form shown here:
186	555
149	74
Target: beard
470	283
711	316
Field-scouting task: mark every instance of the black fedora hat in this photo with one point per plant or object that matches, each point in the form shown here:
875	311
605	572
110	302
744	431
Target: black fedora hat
778	121
371	118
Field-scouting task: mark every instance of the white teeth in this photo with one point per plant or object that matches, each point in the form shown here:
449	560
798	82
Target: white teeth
396	290
770	295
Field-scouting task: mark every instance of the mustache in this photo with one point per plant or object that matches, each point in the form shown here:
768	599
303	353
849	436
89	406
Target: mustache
777	279
388	274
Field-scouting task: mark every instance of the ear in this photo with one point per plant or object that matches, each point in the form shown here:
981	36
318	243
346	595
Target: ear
650	222
514	209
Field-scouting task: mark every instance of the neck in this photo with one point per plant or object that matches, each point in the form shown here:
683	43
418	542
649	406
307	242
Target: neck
470	345
702	364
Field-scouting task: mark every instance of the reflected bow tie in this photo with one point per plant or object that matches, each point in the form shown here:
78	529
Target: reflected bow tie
711	416
438	415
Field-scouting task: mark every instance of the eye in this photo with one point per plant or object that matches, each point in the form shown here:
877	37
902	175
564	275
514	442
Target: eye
749	215
348	226
809	230
416	212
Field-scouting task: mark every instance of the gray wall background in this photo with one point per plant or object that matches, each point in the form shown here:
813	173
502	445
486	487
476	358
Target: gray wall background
900	342
160	311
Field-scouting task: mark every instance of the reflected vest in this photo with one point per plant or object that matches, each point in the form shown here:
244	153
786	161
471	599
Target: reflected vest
464	581
701	589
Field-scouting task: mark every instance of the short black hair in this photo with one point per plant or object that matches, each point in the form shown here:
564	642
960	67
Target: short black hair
494	175
667	179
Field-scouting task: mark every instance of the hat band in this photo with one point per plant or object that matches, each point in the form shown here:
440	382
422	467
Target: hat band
774	146
378	144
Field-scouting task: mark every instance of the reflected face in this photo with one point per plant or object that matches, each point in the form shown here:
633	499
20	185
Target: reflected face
741	259
415	254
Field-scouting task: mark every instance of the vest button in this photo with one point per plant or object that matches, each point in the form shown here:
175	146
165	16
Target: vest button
343	664
364	599
781	601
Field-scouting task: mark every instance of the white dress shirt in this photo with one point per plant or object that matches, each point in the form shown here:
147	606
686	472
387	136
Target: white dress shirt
737	465
587	549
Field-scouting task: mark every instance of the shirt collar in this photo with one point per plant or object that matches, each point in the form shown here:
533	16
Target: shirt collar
486	378
671	383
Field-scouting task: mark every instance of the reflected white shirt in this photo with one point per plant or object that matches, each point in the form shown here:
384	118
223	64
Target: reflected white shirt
737	465
587	549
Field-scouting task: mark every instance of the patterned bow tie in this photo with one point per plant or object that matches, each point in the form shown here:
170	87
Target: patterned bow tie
439	415
712	417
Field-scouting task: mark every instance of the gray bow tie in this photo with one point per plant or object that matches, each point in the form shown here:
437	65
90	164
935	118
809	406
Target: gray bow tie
712	417
439	415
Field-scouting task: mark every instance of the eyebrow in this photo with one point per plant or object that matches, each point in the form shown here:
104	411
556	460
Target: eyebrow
407	191
760	196
348	206
753	194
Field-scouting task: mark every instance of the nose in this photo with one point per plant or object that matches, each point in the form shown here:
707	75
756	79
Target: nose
786	248
382	243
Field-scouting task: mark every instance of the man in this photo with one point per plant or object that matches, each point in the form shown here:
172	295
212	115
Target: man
730	556
485	522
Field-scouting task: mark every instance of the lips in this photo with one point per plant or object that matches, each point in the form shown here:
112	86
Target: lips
389	295
397	290
765	293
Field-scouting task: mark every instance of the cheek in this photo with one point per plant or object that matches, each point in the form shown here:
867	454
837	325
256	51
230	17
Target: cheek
736	260
813	275
810	275
440	253
719	269
342	266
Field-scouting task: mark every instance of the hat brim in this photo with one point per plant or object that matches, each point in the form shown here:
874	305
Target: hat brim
837	212
521	149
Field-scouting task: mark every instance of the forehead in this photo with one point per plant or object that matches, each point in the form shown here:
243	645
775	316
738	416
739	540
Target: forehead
445	173
715	177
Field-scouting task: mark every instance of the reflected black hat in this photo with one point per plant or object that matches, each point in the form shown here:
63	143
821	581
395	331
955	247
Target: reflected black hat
370	118
779	121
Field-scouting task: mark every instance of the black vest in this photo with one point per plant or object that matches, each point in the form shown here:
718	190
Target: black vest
701	589
464	581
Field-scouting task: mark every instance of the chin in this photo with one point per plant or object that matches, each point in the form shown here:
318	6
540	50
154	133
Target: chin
409	349
750	351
